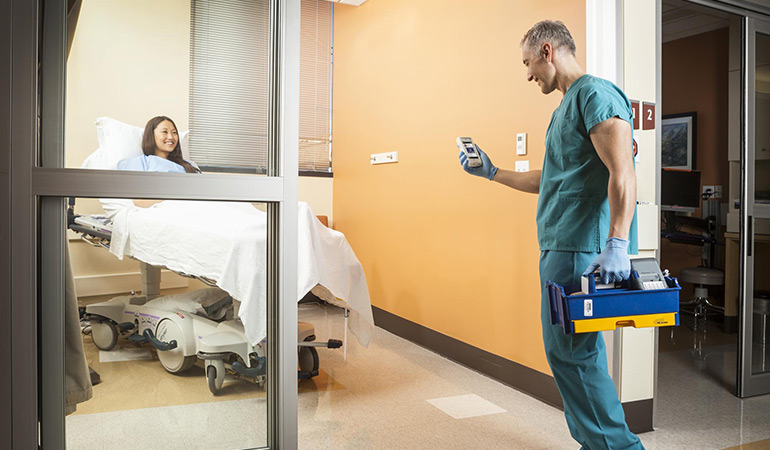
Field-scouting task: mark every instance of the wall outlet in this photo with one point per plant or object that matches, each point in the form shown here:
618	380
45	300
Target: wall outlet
708	190
521	143
717	191
383	158
522	166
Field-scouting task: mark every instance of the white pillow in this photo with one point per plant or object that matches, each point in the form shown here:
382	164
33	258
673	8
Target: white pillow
184	142
119	141
95	160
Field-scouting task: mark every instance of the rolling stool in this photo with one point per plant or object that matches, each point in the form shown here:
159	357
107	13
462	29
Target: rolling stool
701	277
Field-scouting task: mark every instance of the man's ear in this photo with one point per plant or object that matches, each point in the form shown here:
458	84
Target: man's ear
546	51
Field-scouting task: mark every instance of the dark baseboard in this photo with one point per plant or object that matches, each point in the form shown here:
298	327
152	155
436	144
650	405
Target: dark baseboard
513	374
639	415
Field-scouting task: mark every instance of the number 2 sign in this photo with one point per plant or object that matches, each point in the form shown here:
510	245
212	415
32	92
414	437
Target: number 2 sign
648	116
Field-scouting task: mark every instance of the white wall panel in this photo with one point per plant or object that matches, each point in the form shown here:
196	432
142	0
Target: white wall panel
637	362
637	348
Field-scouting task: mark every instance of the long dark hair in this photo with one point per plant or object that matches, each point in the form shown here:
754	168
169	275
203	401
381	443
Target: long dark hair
148	143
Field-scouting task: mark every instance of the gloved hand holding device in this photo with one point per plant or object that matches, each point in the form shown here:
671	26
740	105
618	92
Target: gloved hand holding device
613	261
486	169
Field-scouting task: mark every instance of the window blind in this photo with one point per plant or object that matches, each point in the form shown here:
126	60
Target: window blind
229	85
315	70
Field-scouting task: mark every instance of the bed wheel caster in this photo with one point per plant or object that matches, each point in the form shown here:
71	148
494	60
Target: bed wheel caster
308	363
170	355
215	375
104	334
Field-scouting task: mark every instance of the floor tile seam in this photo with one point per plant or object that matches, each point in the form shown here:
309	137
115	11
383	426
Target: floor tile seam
157	408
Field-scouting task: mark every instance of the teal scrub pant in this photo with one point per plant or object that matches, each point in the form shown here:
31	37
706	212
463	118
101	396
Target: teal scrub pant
579	364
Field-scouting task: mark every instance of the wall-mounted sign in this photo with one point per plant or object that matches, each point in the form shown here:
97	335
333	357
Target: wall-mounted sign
648	116
636	112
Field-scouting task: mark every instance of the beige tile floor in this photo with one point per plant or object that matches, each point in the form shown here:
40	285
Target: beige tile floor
381	401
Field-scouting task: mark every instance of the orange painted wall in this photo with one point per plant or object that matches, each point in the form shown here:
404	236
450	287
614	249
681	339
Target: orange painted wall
455	253
694	76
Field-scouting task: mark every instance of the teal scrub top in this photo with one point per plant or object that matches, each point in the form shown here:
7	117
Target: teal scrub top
573	212
149	163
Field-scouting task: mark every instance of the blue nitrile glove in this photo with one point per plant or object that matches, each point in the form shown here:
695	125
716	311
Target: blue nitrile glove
614	262
486	169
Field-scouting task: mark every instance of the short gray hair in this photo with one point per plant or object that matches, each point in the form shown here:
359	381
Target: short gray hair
551	31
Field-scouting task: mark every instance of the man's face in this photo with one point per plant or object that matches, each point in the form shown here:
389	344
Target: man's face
539	70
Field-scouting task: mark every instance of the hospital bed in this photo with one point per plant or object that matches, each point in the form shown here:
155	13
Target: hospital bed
208	324
224	245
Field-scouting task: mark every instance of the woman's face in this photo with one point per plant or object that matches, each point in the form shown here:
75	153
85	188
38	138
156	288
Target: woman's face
166	139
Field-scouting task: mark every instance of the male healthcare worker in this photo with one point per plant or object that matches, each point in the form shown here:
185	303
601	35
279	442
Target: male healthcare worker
586	219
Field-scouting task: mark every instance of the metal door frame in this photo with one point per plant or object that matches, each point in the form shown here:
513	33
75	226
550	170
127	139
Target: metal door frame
749	384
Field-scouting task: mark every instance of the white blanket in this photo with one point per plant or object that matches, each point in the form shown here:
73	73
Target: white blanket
226	242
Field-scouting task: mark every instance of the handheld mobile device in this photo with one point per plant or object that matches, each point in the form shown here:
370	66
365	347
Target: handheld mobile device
469	148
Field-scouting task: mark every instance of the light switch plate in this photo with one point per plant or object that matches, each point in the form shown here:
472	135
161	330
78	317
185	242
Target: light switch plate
522	166
521	143
384	158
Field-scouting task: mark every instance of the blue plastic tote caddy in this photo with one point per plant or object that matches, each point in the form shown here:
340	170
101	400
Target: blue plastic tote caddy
607	309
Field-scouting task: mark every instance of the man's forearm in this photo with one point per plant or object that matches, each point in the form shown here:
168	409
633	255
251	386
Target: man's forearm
522	181
622	198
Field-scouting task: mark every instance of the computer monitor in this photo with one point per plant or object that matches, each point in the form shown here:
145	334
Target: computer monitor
680	190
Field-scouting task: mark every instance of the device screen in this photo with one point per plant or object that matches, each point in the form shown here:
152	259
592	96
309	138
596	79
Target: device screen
470	148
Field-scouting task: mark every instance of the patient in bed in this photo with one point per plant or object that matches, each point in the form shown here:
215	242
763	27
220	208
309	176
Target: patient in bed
162	153
161	148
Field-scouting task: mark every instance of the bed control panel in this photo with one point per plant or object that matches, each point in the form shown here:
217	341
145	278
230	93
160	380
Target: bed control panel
98	223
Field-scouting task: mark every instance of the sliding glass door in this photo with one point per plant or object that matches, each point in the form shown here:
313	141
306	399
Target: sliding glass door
55	109
754	356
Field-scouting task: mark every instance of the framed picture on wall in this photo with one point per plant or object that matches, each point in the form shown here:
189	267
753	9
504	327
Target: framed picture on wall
677	140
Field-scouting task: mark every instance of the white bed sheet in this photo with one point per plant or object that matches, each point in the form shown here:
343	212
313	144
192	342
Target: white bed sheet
226	242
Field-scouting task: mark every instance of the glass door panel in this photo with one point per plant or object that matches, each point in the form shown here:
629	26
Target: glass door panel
759	182
760	335
754	359
173	321
203	64
762	124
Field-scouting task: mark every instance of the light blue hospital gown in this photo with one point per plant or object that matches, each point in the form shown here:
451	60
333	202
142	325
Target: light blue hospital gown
150	163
